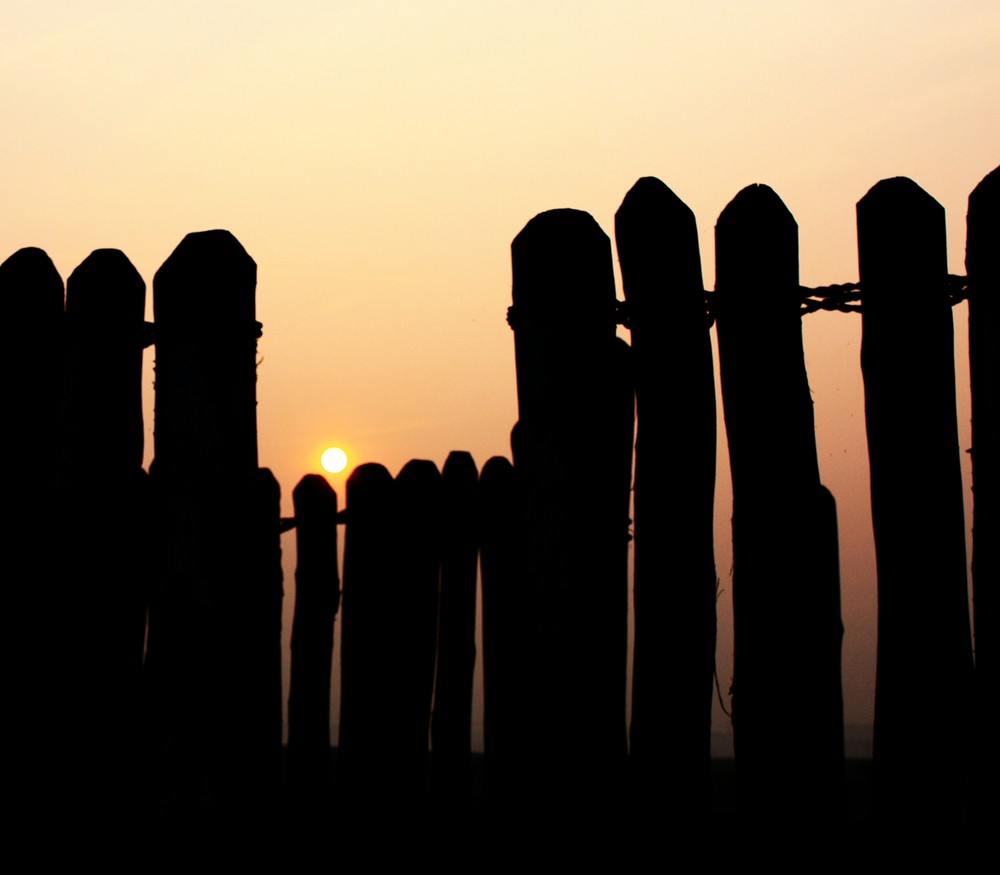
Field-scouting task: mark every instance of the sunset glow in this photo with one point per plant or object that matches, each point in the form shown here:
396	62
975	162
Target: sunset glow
376	160
334	460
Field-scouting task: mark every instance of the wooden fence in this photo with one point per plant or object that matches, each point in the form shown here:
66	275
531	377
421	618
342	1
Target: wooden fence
165	650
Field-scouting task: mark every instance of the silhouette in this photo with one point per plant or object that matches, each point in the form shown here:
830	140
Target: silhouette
317	599
451	722
983	266
786	576
145	611
923	683
575	393
675	582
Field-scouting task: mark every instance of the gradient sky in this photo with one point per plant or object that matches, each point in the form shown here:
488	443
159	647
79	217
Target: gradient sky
377	158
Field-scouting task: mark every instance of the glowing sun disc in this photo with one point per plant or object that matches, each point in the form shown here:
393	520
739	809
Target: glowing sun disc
333	460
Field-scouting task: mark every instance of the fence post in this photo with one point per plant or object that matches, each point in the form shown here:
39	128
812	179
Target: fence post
982	261
207	485
259	612
787	699
31	295
104	590
415	616
675	582
317	597
451	722
364	773
924	669
508	655
569	402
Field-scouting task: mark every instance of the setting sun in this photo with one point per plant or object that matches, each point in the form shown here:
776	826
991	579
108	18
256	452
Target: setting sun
333	460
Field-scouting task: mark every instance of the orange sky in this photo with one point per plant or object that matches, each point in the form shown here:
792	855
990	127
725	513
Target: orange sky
376	159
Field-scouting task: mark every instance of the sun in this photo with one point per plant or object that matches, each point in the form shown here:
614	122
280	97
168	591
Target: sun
333	460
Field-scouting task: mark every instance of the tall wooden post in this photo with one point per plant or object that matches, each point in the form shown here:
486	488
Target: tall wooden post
569	386
787	699
104	591
675	583
31	298
924	664
982	261
206	484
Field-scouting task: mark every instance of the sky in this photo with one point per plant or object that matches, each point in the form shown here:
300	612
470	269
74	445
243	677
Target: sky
377	158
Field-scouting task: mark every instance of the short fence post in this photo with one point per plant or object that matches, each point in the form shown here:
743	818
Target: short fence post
365	773
924	670
414	617
787	699
675	582
317	597
508	657
451	721
259	611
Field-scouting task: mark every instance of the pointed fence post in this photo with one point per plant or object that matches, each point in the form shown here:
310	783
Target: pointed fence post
451	721
31	297
317	597
675	582
206	477
787	699
569	386
924	671
982	261
105	592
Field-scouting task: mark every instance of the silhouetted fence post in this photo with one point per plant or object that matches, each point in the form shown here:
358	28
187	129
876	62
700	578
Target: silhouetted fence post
258	611
675	582
569	385
364	769
451	721
317	598
207	486
31	298
104	528
508	654
924	664
787	700
982	261
413	617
